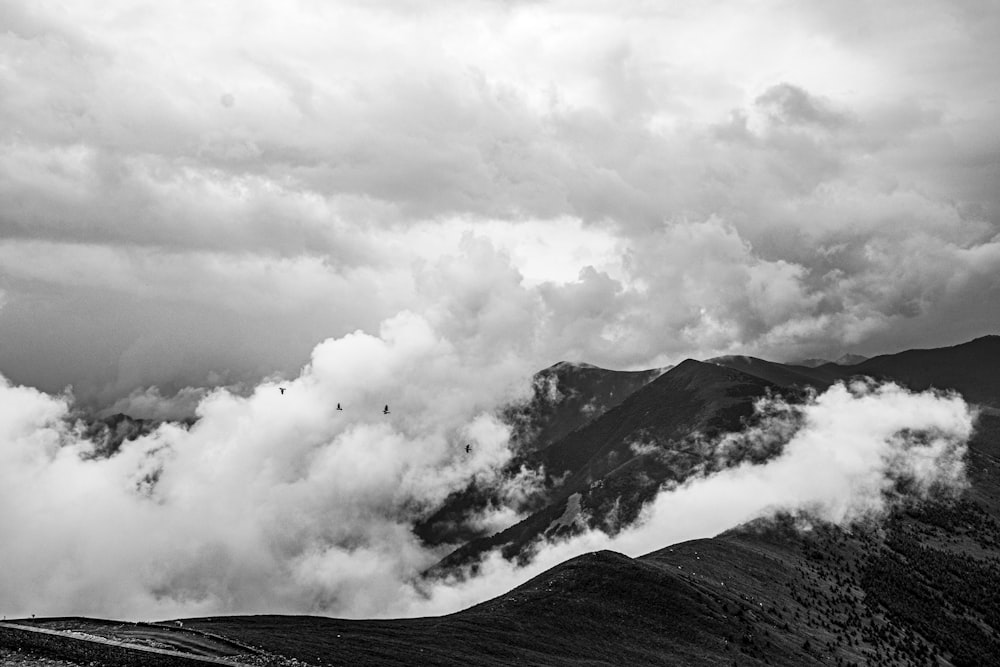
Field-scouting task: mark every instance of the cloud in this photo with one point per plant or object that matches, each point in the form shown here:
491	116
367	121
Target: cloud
269	501
657	183
785	103
152	404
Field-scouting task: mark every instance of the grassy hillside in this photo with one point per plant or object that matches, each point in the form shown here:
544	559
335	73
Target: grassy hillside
603	473
969	368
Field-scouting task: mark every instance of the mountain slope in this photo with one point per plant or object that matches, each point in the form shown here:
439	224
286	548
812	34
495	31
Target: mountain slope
602	473
917	588
783	375
966	368
568	395
565	397
970	368
608	469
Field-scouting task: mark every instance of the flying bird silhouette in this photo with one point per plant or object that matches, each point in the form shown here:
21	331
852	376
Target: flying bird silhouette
282	390
385	411
338	407
468	448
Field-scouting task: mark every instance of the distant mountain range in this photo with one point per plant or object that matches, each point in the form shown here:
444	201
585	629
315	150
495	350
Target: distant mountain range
603	466
846	359
920	589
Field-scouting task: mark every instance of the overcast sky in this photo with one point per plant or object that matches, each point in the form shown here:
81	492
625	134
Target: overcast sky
196	194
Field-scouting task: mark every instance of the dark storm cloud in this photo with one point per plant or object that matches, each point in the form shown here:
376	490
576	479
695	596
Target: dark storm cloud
224	187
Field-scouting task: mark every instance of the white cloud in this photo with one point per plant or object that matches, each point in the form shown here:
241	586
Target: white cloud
311	164
271	501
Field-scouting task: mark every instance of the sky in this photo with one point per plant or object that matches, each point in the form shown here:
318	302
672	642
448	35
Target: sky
420	204
196	195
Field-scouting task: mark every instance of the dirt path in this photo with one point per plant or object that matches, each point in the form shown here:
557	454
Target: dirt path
82	643
150	635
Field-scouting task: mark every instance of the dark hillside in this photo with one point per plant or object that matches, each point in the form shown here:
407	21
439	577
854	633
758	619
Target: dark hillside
616	460
916	588
772	592
614	465
783	375
565	397
911	591
692	396
599	609
970	368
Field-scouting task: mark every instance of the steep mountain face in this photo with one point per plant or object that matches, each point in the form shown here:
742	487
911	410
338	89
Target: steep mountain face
604	472
565	397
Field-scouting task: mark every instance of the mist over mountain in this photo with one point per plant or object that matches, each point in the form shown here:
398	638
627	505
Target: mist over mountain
846	359
604	472
613	193
831	496
283	289
602	475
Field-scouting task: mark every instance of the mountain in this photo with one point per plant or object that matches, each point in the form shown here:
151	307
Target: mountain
565	397
604	472
783	375
600	474
109	433
969	368
918	588
811	362
846	359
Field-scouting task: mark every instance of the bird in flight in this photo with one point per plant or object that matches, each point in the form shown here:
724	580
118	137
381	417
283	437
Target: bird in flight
282	390
468	448
385	411
338	407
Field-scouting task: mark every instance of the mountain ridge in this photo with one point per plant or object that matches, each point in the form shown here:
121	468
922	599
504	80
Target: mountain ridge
917	588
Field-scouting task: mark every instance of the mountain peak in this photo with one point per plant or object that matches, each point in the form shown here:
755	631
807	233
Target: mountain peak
850	359
571	365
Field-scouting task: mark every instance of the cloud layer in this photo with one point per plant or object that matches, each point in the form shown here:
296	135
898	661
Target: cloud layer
194	197
278	502
272	501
